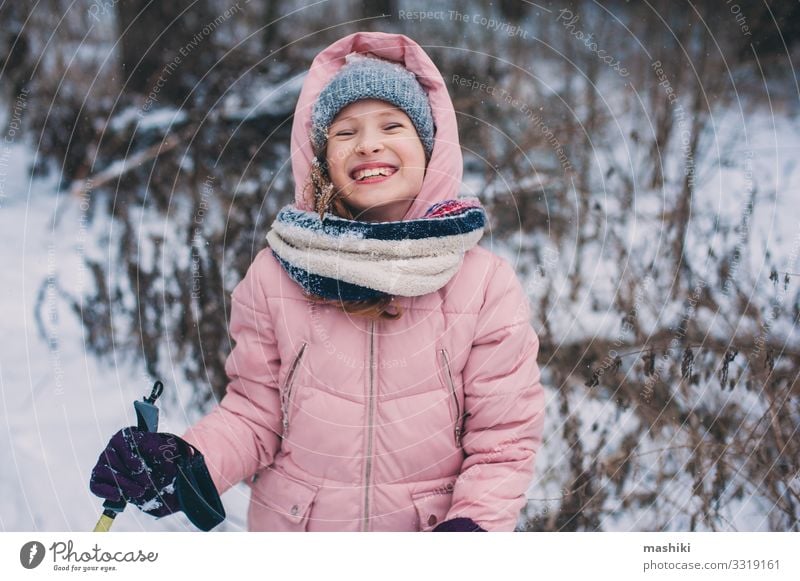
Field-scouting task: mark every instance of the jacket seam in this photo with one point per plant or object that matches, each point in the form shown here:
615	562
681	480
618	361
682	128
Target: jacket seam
514	393
507	327
382	399
282	298
250	306
493	276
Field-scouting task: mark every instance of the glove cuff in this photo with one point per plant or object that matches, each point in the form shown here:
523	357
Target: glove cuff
197	496
459	525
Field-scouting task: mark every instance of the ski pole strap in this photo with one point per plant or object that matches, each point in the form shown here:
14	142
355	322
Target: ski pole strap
197	496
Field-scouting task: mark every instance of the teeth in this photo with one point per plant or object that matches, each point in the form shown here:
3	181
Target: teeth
377	171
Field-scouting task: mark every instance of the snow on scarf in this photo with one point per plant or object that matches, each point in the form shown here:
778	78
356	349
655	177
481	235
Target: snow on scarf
350	260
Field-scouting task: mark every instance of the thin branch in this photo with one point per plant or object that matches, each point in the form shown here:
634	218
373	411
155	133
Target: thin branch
121	167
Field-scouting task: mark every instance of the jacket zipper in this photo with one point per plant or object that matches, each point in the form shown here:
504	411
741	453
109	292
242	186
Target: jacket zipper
371	403
458	428
287	390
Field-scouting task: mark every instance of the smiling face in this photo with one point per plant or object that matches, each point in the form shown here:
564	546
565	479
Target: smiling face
375	160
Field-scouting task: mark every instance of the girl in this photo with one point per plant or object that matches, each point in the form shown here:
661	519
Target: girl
384	376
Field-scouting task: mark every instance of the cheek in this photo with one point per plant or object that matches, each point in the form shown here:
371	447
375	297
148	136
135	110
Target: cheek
413	152
415	161
418	177
336	168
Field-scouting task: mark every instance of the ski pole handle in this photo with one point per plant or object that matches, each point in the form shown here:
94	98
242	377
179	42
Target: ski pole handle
147	421
146	411
107	518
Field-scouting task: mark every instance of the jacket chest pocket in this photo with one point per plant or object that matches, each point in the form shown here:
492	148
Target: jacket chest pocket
457	413
288	388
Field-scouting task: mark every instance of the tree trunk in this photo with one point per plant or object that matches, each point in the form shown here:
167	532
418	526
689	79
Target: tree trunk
368	9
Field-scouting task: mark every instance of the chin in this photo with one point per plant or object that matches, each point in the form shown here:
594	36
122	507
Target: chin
367	213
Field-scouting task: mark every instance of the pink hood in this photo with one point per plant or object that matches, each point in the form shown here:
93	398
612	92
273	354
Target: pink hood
443	177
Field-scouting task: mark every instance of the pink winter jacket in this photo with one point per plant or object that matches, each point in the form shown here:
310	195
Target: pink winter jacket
340	423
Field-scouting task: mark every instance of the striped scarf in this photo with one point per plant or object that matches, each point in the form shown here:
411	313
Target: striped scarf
349	260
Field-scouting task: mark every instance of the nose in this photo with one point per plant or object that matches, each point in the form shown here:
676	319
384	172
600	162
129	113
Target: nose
369	143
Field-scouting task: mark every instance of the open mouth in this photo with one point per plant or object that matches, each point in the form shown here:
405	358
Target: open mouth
373	174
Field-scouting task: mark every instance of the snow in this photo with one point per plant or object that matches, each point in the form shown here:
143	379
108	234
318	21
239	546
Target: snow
157	118
58	405
273	100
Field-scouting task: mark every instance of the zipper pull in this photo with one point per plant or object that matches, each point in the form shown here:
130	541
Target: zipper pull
285	418
286	390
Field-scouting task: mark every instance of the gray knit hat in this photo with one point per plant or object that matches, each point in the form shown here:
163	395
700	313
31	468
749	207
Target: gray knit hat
365	77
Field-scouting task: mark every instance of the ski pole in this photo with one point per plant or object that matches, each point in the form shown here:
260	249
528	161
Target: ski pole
147	421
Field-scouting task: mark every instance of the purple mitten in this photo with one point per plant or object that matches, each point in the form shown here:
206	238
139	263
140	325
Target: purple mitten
459	525
141	468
